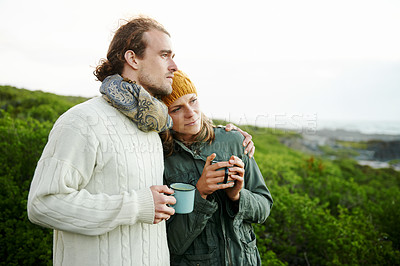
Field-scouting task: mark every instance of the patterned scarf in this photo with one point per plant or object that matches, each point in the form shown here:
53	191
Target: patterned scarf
149	113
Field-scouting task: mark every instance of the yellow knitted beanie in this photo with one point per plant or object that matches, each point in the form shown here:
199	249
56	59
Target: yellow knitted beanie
181	86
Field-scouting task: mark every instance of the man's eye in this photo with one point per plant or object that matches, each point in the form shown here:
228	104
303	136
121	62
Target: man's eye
175	110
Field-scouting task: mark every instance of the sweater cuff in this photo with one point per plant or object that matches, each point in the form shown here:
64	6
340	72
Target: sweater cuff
145	206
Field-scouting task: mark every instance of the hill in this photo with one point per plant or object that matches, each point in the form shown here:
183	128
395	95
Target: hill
43	106
326	212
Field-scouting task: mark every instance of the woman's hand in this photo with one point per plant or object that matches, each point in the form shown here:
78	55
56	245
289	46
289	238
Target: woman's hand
236	174
208	182
248	143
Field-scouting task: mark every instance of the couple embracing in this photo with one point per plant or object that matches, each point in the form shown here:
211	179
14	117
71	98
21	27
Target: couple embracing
109	204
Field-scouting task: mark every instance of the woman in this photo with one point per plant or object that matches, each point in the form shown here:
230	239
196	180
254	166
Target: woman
219	230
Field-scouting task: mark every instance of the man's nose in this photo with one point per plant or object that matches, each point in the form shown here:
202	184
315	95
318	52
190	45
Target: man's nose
173	67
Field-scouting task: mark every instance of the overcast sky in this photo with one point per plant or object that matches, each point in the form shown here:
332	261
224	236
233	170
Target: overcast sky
250	60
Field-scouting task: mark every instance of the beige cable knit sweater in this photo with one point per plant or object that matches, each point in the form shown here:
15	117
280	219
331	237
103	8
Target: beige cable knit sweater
91	185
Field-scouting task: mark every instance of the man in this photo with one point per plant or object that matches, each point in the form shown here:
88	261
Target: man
98	183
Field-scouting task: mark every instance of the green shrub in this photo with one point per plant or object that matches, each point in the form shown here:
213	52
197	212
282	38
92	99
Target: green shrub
325	212
21	103
21	144
26	118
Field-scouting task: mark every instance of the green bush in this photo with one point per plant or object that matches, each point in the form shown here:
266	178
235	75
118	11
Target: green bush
21	144
26	118
325	212
21	103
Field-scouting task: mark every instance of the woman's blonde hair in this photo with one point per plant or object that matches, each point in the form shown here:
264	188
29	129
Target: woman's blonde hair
206	134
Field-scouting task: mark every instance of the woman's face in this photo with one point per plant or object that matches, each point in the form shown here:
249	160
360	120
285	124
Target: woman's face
186	115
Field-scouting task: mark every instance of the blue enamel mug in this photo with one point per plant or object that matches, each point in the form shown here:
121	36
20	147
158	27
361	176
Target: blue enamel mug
184	195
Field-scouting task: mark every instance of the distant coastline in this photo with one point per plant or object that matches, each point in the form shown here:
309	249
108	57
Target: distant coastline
376	150
373	143
364	127
311	123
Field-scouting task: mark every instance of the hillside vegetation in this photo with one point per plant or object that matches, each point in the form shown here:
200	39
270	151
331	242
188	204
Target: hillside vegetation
325	212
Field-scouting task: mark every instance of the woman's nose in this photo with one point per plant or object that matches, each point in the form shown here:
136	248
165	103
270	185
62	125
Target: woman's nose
189	111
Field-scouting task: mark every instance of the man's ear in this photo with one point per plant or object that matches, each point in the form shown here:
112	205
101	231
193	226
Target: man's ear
131	59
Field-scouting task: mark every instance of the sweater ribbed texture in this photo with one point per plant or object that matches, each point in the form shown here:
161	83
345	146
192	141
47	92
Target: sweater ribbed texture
91	185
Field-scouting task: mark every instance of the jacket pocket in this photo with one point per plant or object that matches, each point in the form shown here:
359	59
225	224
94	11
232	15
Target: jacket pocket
251	255
188	177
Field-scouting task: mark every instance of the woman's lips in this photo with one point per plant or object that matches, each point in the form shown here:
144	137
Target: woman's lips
192	123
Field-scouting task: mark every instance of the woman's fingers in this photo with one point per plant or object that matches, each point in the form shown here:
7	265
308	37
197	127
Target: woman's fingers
225	186
210	159
220	165
236	171
237	178
234	160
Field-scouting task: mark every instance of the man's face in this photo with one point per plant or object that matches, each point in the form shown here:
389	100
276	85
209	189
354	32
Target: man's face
157	66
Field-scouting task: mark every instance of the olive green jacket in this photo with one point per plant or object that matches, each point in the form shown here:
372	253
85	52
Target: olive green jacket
218	231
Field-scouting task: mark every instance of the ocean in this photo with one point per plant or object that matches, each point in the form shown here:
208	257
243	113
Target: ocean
311	124
364	127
